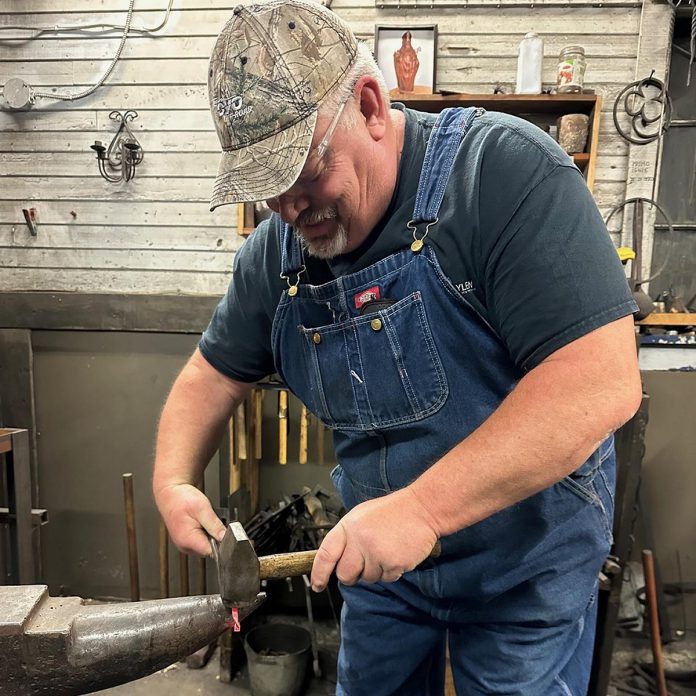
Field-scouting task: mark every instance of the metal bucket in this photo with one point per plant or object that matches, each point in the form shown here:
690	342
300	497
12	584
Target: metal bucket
278	655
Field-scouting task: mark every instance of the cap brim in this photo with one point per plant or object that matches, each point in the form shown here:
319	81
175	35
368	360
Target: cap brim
265	169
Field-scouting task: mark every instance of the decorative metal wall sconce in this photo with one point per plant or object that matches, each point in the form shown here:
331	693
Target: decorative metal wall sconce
124	154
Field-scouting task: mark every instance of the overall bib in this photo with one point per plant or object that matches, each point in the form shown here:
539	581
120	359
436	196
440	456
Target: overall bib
513	595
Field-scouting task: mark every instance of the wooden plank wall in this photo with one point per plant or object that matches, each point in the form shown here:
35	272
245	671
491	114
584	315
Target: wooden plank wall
155	234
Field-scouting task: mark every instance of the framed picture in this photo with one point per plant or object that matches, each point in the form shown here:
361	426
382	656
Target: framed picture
406	56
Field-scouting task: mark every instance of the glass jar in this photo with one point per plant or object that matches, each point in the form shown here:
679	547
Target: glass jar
571	70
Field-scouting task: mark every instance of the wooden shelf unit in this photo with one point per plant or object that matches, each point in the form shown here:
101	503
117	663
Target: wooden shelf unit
542	109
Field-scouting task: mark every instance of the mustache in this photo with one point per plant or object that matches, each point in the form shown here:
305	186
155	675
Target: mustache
312	217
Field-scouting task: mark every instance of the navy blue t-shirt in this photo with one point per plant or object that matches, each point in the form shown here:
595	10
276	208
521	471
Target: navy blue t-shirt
518	233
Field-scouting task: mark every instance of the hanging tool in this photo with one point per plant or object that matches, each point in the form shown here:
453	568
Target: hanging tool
304	434
255	446
257	400
57	646
241	427
283	426
320	442
316	511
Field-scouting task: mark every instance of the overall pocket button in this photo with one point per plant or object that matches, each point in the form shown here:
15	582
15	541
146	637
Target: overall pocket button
376	324
316	337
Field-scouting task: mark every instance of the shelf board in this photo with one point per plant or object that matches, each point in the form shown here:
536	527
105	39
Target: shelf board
669	319
509	103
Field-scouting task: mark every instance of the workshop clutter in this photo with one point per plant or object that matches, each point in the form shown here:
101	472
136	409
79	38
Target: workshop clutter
252	436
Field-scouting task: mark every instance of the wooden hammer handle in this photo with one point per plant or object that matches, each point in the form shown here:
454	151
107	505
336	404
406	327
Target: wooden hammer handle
286	565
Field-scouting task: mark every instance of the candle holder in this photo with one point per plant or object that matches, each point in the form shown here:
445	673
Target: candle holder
118	161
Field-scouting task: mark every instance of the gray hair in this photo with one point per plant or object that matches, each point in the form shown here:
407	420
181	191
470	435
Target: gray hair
365	64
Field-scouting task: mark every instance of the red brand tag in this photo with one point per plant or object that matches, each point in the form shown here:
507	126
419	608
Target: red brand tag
365	296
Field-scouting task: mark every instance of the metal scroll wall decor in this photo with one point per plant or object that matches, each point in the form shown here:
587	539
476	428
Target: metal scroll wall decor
124	154
648	105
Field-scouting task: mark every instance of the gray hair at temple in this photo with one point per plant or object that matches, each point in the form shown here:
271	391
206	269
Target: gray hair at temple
365	64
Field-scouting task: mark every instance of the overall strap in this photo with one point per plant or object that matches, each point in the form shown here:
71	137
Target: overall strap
291	258
449	129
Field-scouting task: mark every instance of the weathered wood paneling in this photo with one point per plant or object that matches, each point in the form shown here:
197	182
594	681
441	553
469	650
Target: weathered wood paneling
156	234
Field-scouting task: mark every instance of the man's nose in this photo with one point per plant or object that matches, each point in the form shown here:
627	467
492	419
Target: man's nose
289	206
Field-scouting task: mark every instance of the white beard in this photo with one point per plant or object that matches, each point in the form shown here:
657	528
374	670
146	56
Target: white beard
324	247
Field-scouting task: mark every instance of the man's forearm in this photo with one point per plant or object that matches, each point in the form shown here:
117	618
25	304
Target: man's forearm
192	423
548	426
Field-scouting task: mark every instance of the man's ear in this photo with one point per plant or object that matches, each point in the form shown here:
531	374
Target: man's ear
372	106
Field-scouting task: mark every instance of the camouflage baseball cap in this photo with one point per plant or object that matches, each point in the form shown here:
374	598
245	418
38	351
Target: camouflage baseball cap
272	65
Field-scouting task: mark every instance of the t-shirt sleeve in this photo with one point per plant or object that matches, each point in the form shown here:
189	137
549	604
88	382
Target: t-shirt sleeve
237	341
552	274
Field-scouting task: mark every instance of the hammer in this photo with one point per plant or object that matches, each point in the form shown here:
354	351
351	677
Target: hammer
240	570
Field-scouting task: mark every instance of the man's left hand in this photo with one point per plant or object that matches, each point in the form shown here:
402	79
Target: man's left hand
380	539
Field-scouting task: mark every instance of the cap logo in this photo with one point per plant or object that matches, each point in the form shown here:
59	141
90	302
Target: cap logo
231	107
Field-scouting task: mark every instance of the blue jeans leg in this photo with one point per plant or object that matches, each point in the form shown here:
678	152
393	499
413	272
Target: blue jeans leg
517	659
387	647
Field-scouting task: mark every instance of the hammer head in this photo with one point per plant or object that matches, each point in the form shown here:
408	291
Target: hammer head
238	568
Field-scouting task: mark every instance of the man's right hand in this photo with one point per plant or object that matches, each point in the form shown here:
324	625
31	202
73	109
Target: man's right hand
189	517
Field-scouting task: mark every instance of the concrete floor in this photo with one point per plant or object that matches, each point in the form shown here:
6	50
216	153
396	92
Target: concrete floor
177	679
679	656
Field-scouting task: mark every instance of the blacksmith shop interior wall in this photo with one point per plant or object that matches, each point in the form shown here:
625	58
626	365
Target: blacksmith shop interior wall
155	233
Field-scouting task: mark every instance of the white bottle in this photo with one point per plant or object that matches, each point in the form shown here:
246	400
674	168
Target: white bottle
529	63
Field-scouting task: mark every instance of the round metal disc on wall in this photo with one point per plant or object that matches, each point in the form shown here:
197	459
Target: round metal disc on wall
17	93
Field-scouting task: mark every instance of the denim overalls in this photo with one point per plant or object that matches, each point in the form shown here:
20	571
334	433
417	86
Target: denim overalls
513	594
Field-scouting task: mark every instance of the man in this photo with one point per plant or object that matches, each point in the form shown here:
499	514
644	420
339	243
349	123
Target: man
445	297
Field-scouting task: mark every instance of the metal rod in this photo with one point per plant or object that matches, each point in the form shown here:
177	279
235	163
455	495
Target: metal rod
651	602
201	578
132	540
258	423
320	442
164	560
312	627
685	226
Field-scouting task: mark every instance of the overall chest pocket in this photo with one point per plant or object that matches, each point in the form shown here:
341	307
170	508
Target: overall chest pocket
377	370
